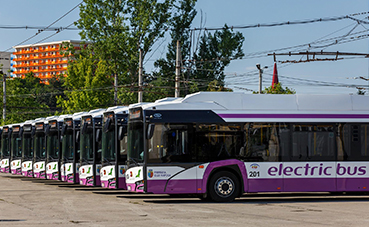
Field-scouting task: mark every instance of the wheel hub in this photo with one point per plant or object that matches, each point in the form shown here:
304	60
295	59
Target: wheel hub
224	186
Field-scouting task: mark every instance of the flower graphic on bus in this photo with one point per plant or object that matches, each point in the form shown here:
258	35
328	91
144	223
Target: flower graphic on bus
150	173
254	166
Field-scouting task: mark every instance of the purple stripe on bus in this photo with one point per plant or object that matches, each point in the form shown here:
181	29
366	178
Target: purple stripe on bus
182	186
363	116
308	185
352	184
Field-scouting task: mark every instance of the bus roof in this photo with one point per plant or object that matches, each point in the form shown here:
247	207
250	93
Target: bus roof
265	102
117	109
97	113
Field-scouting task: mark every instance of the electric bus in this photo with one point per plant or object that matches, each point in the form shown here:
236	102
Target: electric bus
39	147
222	144
53	147
114	148
70	148
5	149
27	148
90	148
16	149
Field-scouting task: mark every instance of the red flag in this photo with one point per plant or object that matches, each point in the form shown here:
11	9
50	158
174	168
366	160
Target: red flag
275	75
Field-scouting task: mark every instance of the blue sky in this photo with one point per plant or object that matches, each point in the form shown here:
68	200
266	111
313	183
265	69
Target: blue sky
241	74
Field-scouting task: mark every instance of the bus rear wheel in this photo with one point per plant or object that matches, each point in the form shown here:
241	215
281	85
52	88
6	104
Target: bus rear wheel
223	187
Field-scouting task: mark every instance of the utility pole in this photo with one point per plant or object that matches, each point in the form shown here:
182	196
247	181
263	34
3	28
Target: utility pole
4	96
260	76
115	89
140	77
178	69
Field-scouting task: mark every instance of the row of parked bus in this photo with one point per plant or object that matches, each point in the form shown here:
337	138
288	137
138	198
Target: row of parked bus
215	145
70	148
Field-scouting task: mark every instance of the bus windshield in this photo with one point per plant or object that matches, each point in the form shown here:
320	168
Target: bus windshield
108	146
135	141
27	151
39	146
5	146
67	146
86	146
53	147
16	146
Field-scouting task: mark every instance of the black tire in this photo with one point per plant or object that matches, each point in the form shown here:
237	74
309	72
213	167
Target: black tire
223	187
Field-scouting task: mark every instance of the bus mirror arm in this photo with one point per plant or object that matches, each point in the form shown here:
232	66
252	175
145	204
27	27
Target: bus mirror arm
98	135
150	131
122	132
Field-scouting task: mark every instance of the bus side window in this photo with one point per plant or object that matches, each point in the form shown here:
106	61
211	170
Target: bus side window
262	142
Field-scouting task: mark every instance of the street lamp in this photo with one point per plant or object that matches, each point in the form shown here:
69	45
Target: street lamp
260	76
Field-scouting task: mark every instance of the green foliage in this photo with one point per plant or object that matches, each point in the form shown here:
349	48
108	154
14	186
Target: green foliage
27	98
215	53
278	89
118	29
88	85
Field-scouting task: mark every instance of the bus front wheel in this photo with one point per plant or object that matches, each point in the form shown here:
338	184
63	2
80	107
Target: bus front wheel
223	187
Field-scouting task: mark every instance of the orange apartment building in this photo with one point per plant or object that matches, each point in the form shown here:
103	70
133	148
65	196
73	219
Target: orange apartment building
43	59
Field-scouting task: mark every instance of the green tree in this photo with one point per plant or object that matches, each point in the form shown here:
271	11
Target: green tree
118	29
180	23
88	85
277	89
215	53
25	99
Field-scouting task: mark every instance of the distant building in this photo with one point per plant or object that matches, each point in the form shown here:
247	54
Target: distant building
43	59
5	58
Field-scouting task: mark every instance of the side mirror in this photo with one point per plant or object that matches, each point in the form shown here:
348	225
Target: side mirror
21	133
107	125
98	135
122	132
77	136
84	128
150	131
47	129
64	129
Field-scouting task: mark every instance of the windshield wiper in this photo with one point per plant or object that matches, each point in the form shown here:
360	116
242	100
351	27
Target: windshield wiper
135	160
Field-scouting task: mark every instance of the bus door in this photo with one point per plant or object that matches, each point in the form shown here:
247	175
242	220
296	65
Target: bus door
311	165
171	167
263	148
353	155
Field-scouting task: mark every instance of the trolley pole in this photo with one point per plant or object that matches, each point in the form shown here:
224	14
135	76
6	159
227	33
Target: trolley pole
140	77
178	69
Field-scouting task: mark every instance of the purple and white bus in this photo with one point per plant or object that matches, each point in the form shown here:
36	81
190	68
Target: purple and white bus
16	149
27	148
220	145
114	147
69	166
90	148
5	149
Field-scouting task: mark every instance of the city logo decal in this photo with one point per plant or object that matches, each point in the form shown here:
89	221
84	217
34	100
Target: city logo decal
122	170
254	166
150	173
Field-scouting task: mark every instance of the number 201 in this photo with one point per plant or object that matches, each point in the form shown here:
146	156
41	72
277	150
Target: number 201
254	174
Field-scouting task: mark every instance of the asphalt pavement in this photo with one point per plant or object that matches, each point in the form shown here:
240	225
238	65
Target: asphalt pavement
36	202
